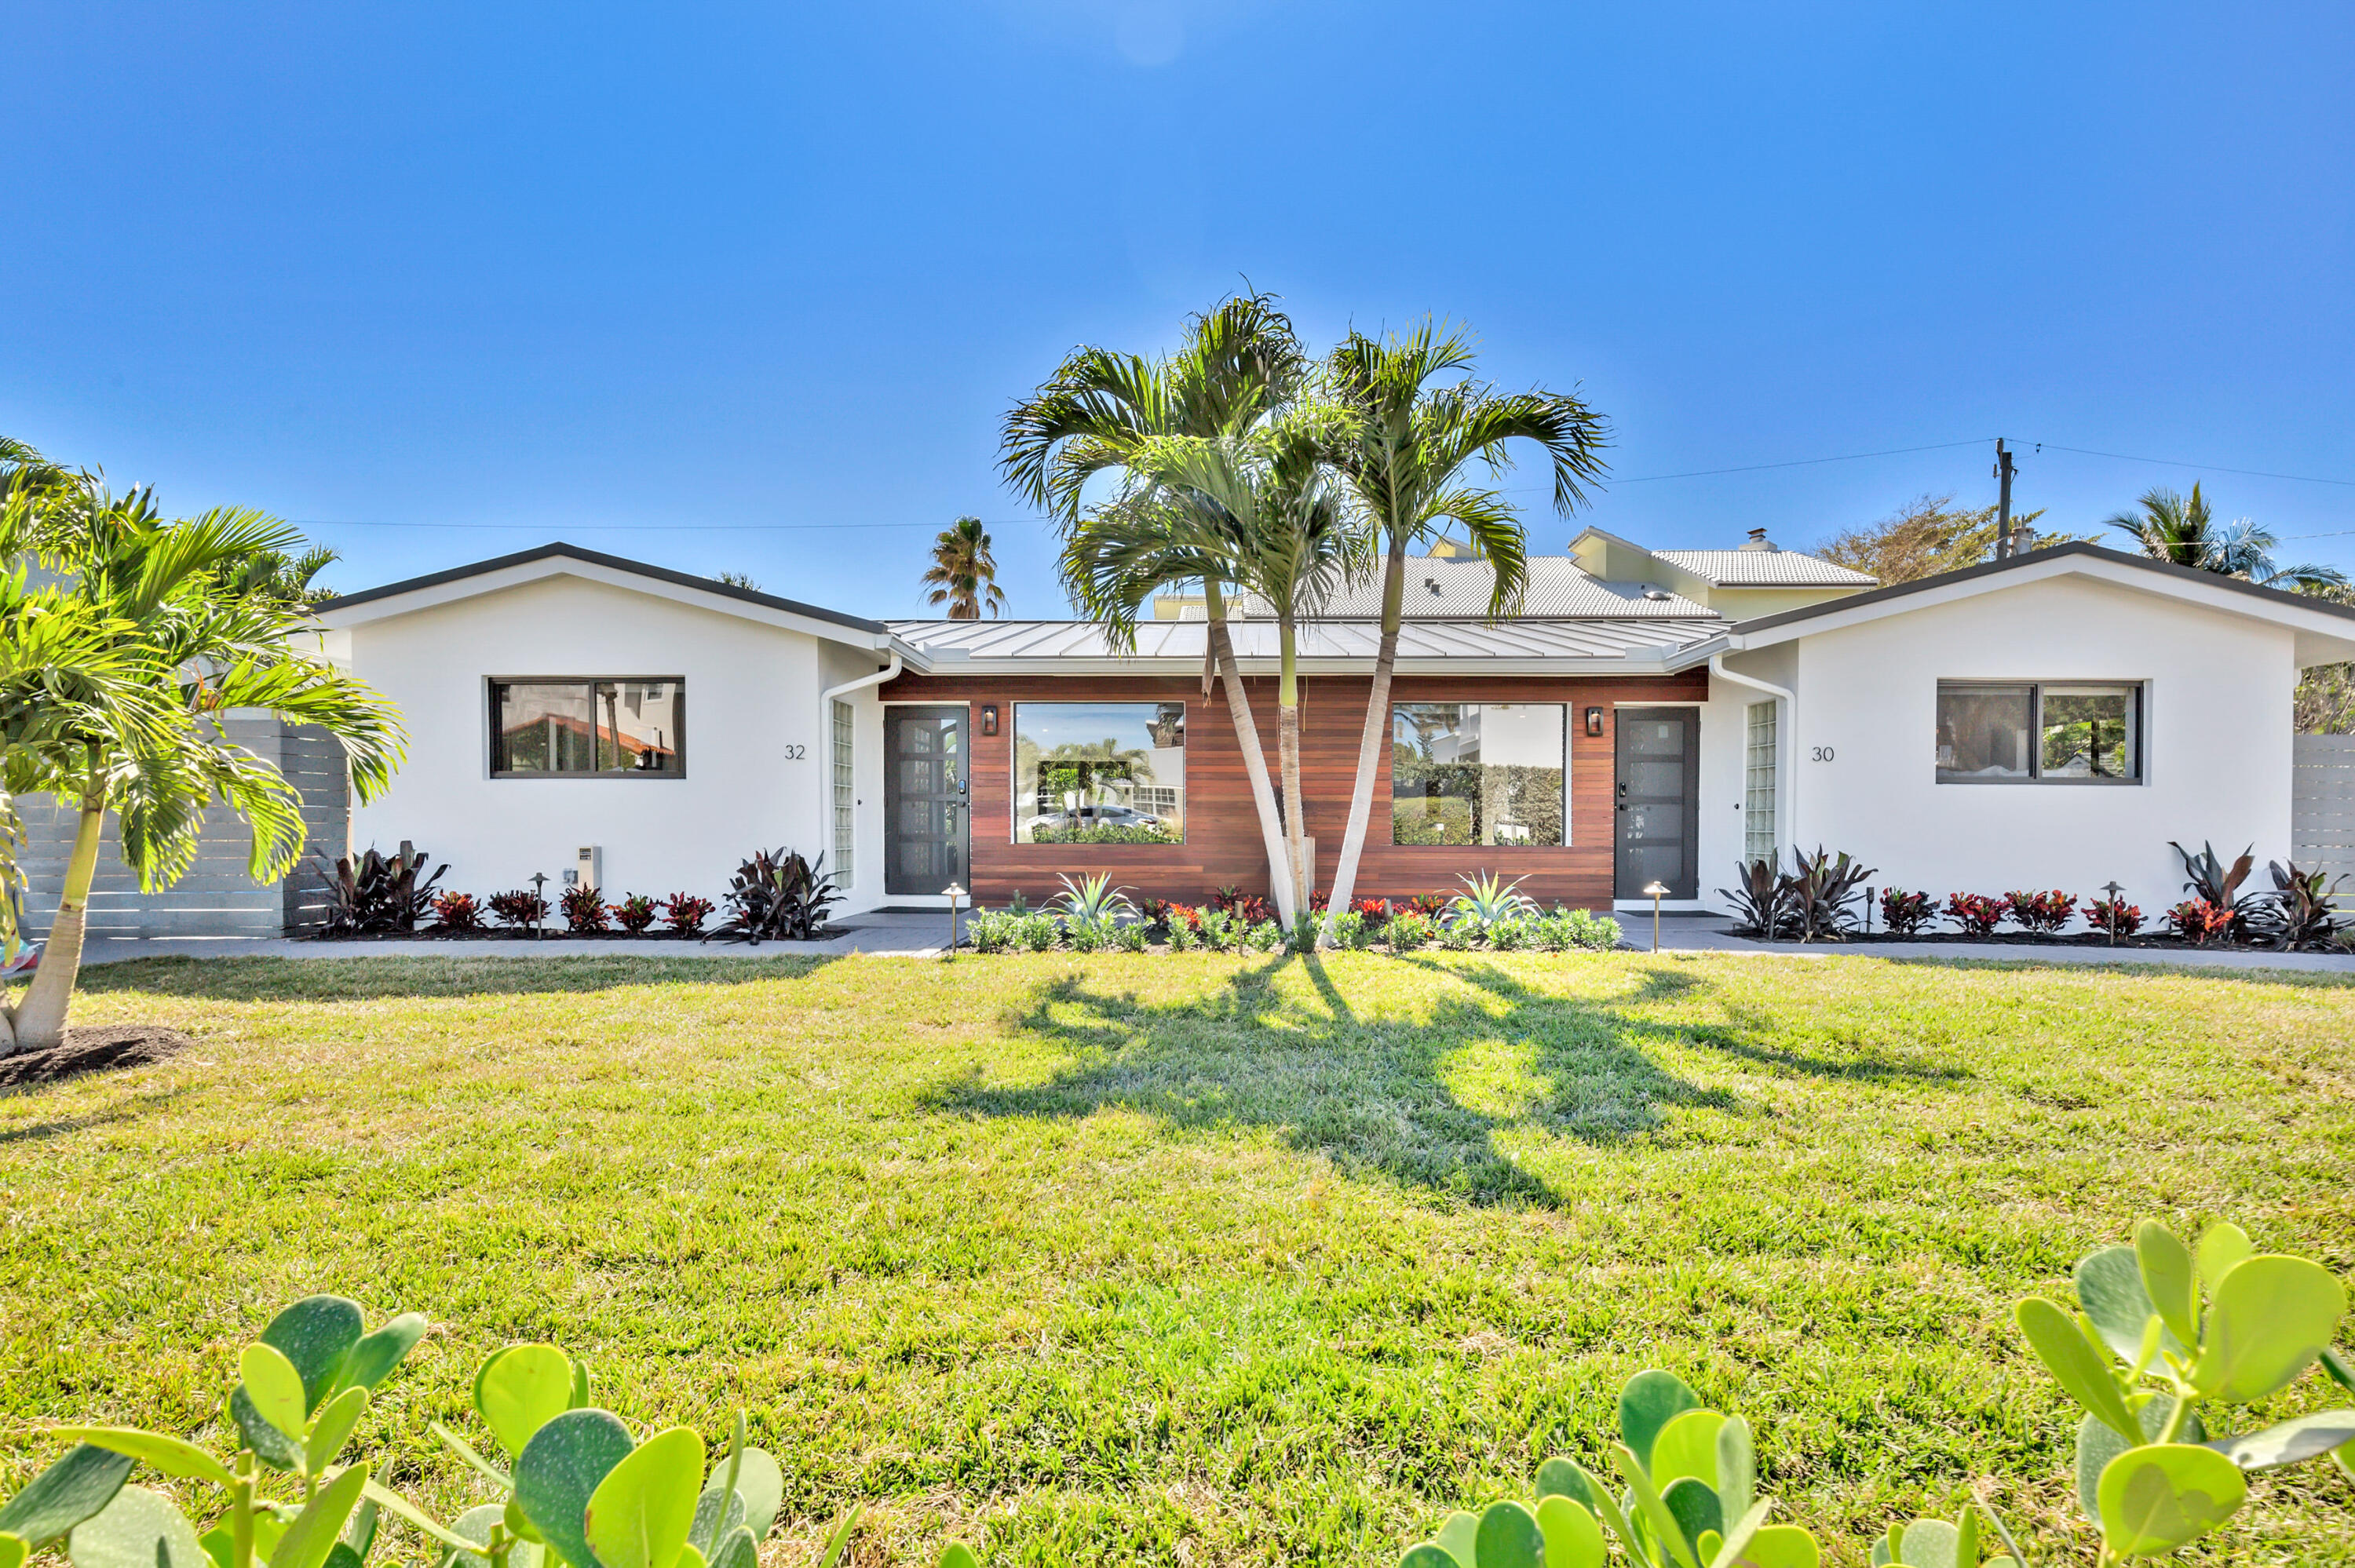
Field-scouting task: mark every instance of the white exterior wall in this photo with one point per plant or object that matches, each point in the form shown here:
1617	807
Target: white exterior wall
752	691
2216	743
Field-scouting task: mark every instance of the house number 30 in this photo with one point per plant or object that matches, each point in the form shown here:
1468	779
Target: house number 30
795	752
1820	753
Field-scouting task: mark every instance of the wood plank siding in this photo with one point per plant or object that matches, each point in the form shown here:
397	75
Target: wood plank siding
1223	840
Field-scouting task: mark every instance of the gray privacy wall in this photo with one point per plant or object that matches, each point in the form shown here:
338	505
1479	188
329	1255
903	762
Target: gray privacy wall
217	897
2322	807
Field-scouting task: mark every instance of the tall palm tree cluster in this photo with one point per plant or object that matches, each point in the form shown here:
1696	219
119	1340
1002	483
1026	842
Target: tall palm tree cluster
2169	526
1243	466
964	573
113	669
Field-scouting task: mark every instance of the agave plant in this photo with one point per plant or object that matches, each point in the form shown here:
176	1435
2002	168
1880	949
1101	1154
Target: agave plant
1487	902
1092	909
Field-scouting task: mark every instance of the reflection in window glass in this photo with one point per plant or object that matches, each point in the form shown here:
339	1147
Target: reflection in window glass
1479	773
1982	731
2088	732
1099	773
587	727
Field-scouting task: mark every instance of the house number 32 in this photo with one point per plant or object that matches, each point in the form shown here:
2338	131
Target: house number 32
1820	753
795	752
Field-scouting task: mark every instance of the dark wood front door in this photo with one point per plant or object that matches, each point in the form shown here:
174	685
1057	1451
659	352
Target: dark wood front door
1658	797
924	816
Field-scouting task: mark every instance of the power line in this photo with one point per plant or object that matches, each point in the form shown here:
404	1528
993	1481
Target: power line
2210	467
1803	462
623	527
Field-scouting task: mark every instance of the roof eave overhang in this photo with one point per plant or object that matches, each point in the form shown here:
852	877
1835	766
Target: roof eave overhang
539	565
1649	661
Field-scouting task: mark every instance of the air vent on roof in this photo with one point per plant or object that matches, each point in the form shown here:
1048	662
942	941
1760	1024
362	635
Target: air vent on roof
1657	595
1432	583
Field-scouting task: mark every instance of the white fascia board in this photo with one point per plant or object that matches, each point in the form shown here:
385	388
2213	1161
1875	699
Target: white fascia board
2332	636
1657	661
526	572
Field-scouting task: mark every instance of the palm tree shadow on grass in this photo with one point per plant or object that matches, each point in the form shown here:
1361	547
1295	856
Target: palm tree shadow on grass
1372	1095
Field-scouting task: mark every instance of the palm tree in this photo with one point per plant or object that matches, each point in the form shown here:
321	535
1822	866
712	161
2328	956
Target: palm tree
183	622
1414	433
963	571
2171	527
1291	543
1239	364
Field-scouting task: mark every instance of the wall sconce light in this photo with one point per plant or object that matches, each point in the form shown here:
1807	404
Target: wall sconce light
989	718
1595	721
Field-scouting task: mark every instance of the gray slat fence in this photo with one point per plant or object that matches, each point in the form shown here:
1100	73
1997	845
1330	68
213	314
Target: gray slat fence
217	897
2322	806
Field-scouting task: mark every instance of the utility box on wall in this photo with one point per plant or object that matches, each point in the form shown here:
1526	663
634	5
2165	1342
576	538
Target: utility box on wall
589	867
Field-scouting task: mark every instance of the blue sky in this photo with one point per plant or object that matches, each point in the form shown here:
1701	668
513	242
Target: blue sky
659	279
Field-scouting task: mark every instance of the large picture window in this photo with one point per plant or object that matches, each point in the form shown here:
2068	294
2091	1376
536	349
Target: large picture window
624	727
1480	773
2026	732
1099	773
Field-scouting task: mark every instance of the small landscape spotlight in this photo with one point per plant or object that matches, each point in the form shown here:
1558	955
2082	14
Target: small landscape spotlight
1655	892
954	892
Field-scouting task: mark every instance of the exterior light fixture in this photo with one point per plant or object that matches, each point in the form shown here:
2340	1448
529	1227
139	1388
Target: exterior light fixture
954	892
2112	889
1655	892
1595	721
989	718
538	891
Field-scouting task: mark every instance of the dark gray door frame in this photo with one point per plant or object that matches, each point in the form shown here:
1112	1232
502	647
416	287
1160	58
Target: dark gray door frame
927	819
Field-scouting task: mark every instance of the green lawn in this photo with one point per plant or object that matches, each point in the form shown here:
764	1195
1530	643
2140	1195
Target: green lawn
1185	1260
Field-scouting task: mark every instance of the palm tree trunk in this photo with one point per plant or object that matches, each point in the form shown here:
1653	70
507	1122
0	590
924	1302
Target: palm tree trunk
1287	731
1369	747
1222	653
39	1020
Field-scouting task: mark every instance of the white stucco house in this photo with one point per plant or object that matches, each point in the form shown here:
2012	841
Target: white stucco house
2051	720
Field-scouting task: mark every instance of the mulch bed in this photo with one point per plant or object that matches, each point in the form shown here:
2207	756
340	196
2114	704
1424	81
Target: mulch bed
2022	939
507	934
105	1049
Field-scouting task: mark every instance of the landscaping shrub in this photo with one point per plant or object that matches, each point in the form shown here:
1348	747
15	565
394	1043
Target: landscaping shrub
1374	912
2045	912
1263	937
2101	911
1037	931
1131	937
635	912
1407	930
1353	930
457	912
776	897
521	908
585	914
685	913
1515	933
376	893
2211	882
1247	909
1906	913
1457	937
2153	1472
1974	912
1756	897
1086	938
2299	914
1567	930
1306	933
1219	929
2199	922
991	930
1184	935
1817	892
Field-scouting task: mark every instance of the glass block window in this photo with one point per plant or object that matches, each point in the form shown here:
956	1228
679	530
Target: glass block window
1758	783
845	817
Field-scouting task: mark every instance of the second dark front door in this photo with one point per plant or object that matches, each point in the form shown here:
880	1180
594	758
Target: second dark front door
923	799
1657	795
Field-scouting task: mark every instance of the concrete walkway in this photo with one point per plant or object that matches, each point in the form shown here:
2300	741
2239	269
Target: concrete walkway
921	936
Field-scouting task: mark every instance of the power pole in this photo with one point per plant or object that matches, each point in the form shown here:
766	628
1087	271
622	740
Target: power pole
2003	502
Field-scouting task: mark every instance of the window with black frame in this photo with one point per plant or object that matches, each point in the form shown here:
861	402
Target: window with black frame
562	728
1480	773
2038	732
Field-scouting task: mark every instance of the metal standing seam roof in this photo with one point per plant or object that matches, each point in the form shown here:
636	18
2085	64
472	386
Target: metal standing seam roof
947	643
1559	588
1764	569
